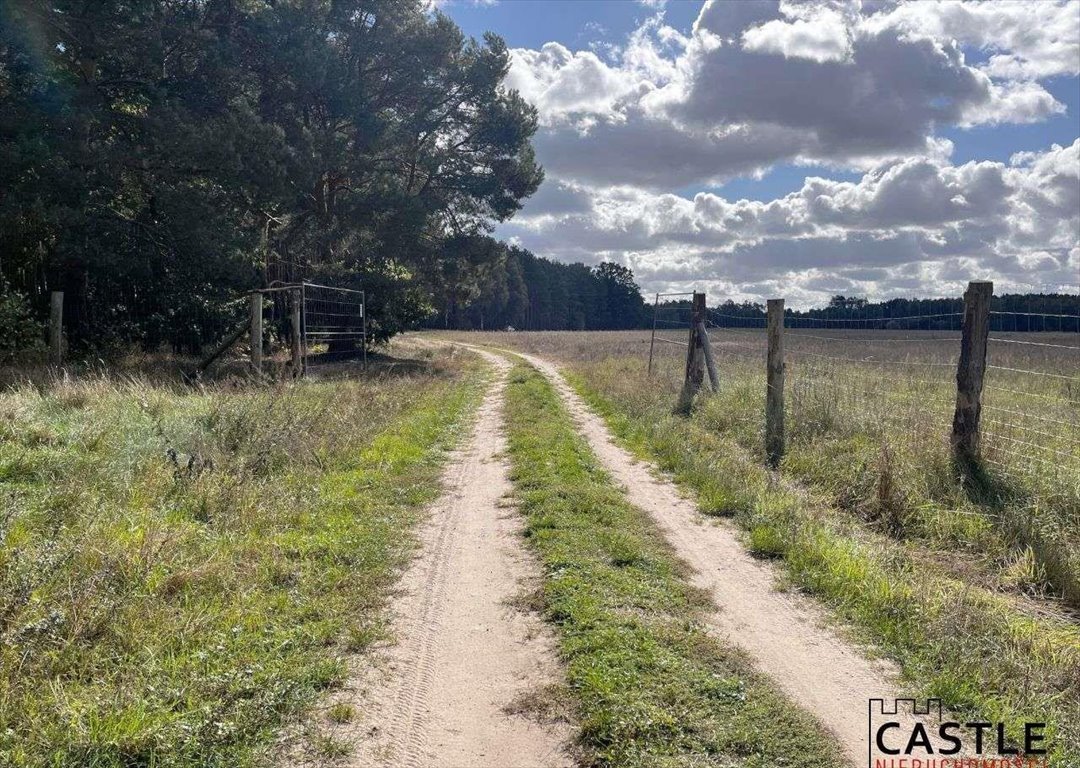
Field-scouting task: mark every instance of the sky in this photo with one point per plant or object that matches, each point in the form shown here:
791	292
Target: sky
763	148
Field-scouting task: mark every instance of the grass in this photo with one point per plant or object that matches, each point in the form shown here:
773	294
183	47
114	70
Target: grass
652	688
957	580
183	571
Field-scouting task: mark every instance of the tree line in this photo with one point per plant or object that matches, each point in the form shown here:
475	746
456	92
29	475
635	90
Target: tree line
160	157
519	290
1019	312
516	289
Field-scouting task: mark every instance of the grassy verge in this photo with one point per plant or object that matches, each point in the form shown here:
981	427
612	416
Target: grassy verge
181	572
954	639
653	689
884	458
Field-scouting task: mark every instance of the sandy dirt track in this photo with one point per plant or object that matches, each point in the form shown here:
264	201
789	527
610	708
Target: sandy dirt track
785	634
464	653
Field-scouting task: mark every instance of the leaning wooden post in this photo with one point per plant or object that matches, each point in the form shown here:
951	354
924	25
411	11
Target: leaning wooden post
695	357
56	328
970	371
774	384
256	332
297	354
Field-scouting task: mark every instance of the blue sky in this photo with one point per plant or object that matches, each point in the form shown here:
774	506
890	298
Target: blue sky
688	153
575	23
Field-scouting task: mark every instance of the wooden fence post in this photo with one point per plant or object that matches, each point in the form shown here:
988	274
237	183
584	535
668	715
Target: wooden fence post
256	331
774	387
695	357
297	354
56	328
970	370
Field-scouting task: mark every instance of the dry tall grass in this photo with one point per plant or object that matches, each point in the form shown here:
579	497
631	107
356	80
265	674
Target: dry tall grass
183	569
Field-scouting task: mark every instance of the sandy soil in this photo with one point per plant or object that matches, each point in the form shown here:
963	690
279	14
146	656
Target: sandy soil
465	655
784	633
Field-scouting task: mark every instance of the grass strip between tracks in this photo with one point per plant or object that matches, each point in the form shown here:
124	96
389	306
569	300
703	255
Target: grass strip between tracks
651	688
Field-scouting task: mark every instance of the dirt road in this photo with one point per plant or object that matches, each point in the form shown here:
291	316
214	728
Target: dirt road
785	634
464	654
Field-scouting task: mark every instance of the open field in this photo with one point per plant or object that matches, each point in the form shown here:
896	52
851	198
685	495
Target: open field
183	571
968	583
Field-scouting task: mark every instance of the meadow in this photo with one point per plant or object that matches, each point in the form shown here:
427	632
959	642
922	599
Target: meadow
968	579
185	570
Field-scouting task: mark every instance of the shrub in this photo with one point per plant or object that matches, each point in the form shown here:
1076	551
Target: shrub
22	333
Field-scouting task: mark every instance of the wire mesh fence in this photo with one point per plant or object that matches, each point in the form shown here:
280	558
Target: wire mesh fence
857	371
334	323
872	375
1031	399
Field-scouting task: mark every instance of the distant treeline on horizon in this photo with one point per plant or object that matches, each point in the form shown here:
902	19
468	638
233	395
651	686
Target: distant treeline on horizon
527	292
1020	312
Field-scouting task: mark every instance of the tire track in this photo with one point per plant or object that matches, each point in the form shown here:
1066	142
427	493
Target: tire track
785	634
464	656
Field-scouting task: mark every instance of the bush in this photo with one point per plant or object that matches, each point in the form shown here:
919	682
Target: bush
22	333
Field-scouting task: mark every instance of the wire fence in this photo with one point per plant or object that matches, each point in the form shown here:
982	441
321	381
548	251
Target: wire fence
855	371
1031	401
844	375
334	323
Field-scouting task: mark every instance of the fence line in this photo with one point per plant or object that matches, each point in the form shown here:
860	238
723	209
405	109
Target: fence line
1014	403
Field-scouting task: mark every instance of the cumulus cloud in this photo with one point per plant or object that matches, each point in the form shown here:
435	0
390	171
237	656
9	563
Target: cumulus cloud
887	98
1025	39
820	35
852	84
763	82
1018	223
561	83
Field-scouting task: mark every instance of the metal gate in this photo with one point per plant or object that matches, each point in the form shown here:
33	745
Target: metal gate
334	323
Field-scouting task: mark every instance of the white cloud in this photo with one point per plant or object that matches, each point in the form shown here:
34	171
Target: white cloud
1013	102
1016	223
1027	39
822	35
836	83
561	83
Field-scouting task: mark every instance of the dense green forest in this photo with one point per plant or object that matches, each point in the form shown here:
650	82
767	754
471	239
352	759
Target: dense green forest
160	157
522	291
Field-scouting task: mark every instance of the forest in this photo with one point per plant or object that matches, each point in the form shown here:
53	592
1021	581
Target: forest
526	292
160	158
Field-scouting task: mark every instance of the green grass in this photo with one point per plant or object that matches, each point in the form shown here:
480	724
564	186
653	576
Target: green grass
860	548
879	452
652	688
175	609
